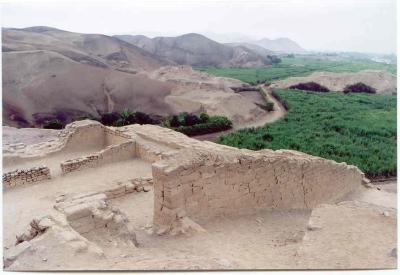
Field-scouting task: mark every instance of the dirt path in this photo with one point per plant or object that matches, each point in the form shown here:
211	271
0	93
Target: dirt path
270	117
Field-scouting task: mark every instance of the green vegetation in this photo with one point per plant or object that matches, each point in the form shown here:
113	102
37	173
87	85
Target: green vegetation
296	66
192	125
359	88
359	129
310	86
126	117
53	124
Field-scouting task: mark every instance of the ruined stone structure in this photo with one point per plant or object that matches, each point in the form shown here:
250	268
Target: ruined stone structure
195	180
20	177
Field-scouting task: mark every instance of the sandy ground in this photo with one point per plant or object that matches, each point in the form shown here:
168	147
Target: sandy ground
268	239
21	204
27	136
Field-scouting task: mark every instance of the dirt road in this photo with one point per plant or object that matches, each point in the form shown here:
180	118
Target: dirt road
270	117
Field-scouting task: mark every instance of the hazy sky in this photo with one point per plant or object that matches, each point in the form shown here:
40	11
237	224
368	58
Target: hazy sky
342	25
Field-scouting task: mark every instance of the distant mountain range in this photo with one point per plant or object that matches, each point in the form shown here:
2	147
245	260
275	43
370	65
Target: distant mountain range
280	45
197	50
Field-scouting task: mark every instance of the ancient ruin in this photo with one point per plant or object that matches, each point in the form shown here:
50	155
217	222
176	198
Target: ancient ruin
192	182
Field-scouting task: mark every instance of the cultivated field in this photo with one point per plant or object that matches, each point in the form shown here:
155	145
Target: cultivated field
359	129
297	66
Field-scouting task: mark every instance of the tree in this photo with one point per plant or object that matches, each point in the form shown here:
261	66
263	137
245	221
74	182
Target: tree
204	117
110	119
143	118
53	124
174	122
359	88
310	86
191	120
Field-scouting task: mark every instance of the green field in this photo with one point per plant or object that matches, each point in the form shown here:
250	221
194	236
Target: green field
359	129
297	66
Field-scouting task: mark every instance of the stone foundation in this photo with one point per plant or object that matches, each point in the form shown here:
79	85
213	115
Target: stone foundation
111	153
25	176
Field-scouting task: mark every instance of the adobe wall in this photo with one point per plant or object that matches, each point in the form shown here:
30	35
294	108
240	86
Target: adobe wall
210	184
112	153
203	179
25	176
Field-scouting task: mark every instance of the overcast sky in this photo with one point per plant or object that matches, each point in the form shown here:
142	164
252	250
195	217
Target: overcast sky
340	25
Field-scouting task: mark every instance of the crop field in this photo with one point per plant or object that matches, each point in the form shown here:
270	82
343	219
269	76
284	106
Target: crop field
297	66
359	129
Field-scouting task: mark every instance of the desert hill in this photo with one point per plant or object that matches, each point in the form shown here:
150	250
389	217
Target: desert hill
197	50
93	49
254	47
40	85
50	73
281	45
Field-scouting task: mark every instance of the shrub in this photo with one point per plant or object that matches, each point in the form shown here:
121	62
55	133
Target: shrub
215	124
53	124
310	86
174	121
143	118
274	59
204	117
190	120
110	119
268	106
359	88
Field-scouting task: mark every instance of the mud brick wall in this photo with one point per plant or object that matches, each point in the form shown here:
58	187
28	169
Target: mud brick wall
87	136
148	153
25	176
202	189
114	136
111	153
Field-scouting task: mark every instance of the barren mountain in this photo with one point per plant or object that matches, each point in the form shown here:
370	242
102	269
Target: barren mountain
282	45
50	73
197	50
254	47
93	49
40	85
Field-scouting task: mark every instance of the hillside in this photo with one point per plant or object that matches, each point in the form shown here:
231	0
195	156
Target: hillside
282	45
255	48
54	74
197	50
41	85
93	49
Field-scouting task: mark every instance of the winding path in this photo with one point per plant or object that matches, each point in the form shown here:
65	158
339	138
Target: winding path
270	117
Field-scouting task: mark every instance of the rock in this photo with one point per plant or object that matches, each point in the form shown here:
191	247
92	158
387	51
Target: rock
79	246
68	236
14	252
313	227
146	188
386	213
45	223
393	253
